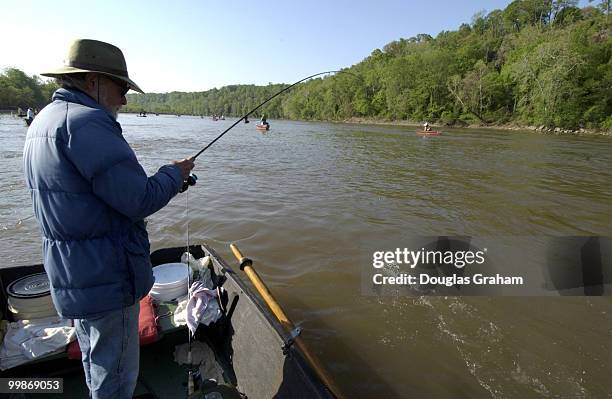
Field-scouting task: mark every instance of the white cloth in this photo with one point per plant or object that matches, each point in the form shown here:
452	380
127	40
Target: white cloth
30	339
180	316
202	307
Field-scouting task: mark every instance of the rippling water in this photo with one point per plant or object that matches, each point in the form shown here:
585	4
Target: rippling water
303	198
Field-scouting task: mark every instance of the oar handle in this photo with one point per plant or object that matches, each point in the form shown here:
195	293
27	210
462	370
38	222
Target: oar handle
246	265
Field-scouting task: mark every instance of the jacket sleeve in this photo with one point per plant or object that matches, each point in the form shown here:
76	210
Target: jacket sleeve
104	158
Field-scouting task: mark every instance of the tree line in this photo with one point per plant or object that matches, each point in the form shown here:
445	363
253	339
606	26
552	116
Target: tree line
18	90
537	62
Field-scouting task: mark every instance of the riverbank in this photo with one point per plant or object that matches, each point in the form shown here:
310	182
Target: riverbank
537	129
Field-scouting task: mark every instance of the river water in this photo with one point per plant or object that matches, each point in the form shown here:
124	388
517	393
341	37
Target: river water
304	200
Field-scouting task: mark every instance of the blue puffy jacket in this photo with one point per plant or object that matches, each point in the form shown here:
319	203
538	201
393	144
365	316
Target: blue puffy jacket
90	197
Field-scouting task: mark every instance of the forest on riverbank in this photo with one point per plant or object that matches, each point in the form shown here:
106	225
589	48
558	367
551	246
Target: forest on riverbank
18	90
535	63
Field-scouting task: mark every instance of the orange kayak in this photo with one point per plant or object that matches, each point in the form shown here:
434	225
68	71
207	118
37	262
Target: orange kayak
259	126
429	133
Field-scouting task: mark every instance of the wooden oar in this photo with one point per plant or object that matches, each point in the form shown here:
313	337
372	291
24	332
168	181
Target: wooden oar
246	265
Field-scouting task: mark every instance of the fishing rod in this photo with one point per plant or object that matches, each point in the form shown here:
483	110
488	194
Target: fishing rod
256	108
192	178
192	374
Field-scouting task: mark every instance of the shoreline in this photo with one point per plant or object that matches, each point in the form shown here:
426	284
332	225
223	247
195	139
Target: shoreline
508	126
541	129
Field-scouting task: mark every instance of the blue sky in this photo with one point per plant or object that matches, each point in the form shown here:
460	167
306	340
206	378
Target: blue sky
198	45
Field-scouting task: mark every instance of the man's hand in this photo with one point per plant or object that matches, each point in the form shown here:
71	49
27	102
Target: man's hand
185	166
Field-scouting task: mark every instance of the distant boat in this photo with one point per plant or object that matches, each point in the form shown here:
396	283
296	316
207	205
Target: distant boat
262	127
429	133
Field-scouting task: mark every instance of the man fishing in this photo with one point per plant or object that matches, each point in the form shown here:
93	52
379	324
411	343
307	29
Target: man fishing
90	197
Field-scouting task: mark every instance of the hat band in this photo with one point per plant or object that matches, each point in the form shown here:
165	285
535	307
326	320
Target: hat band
98	68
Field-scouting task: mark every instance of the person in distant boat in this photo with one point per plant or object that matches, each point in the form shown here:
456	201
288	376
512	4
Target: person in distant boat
264	120
30	114
90	198
426	127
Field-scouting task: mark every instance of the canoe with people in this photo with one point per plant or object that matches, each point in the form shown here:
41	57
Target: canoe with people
263	124
428	131
249	350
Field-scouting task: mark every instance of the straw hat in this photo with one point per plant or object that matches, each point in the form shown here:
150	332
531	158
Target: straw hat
95	56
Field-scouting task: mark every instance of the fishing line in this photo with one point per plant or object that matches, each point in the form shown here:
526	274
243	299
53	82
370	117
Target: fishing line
259	106
190	382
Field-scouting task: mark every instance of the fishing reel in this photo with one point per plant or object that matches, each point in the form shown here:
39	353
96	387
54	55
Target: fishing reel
190	181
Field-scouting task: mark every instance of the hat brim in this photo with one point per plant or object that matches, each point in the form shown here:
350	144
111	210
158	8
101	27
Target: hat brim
68	70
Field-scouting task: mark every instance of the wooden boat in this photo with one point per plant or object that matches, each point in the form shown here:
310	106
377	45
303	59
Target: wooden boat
262	127
256	354
429	133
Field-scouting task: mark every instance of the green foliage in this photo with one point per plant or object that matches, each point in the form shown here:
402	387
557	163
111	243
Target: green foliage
537	62
20	90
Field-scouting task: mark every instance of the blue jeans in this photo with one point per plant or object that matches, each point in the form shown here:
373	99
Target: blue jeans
110	352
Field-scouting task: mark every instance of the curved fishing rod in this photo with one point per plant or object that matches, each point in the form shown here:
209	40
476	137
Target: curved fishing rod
255	109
